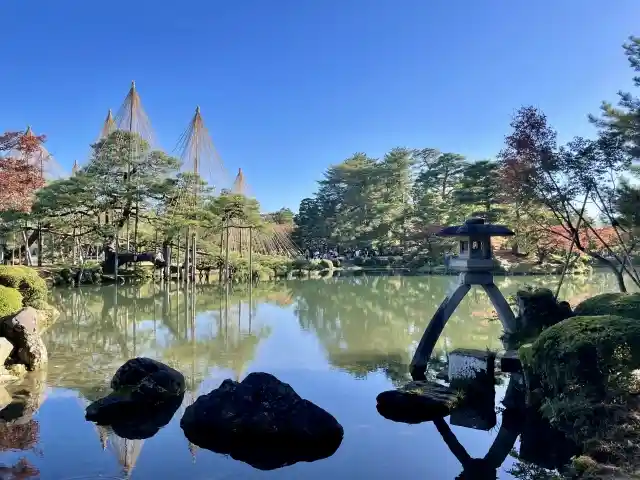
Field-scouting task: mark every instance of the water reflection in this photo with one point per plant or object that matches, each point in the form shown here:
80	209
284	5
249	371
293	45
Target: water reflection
338	341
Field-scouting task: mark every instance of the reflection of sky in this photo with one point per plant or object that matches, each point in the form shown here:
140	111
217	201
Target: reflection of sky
373	447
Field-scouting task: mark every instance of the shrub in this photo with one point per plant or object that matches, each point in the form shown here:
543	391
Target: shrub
301	264
382	261
621	304
597	353
358	261
32	287
584	366
10	301
279	266
369	262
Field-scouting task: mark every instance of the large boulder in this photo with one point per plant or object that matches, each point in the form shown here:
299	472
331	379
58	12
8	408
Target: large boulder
263	422
21	330
140	386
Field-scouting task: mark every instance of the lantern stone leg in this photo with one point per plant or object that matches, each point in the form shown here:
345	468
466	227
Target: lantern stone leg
505	314
434	330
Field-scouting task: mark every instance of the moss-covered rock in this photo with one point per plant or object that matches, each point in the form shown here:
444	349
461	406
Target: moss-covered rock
621	304
32	287
10	301
595	353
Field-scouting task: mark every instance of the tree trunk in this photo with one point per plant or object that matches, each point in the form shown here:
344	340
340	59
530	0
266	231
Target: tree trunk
166	255
620	279
618	273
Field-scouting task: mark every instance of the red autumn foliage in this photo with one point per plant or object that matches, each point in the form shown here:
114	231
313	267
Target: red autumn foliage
19	176
560	239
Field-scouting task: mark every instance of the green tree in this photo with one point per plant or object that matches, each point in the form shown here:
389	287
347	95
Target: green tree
309	232
284	216
480	188
622	122
123	181
563	179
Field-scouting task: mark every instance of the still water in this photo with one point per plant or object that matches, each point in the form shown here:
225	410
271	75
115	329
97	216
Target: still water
339	342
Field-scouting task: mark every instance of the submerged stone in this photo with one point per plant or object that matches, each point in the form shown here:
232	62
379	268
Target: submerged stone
263	422
416	402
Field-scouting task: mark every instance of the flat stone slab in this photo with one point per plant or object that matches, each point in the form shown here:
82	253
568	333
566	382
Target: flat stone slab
510	362
416	402
468	364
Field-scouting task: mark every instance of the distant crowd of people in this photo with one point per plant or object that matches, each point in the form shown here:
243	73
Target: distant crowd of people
348	253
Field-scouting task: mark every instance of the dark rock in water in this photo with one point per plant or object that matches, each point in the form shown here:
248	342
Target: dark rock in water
21	330
263	422
148	421
148	379
140	386
416	402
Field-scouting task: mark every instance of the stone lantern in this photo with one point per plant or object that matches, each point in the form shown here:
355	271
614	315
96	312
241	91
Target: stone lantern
475	244
475	264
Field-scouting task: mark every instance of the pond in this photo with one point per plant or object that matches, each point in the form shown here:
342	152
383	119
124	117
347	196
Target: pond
339	342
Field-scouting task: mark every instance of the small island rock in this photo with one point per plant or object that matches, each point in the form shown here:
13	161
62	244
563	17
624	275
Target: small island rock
263	422
416	402
140	384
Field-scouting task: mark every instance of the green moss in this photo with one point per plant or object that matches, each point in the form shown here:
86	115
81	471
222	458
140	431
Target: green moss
524	353
621	304
10	301
584	464
32	287
596	353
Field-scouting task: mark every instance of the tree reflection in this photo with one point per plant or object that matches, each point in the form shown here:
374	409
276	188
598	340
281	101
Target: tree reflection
370	323
192	329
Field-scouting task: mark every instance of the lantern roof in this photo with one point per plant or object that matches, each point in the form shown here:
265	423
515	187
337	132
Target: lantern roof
476	226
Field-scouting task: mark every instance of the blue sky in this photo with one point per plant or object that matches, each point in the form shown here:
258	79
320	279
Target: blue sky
288	87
